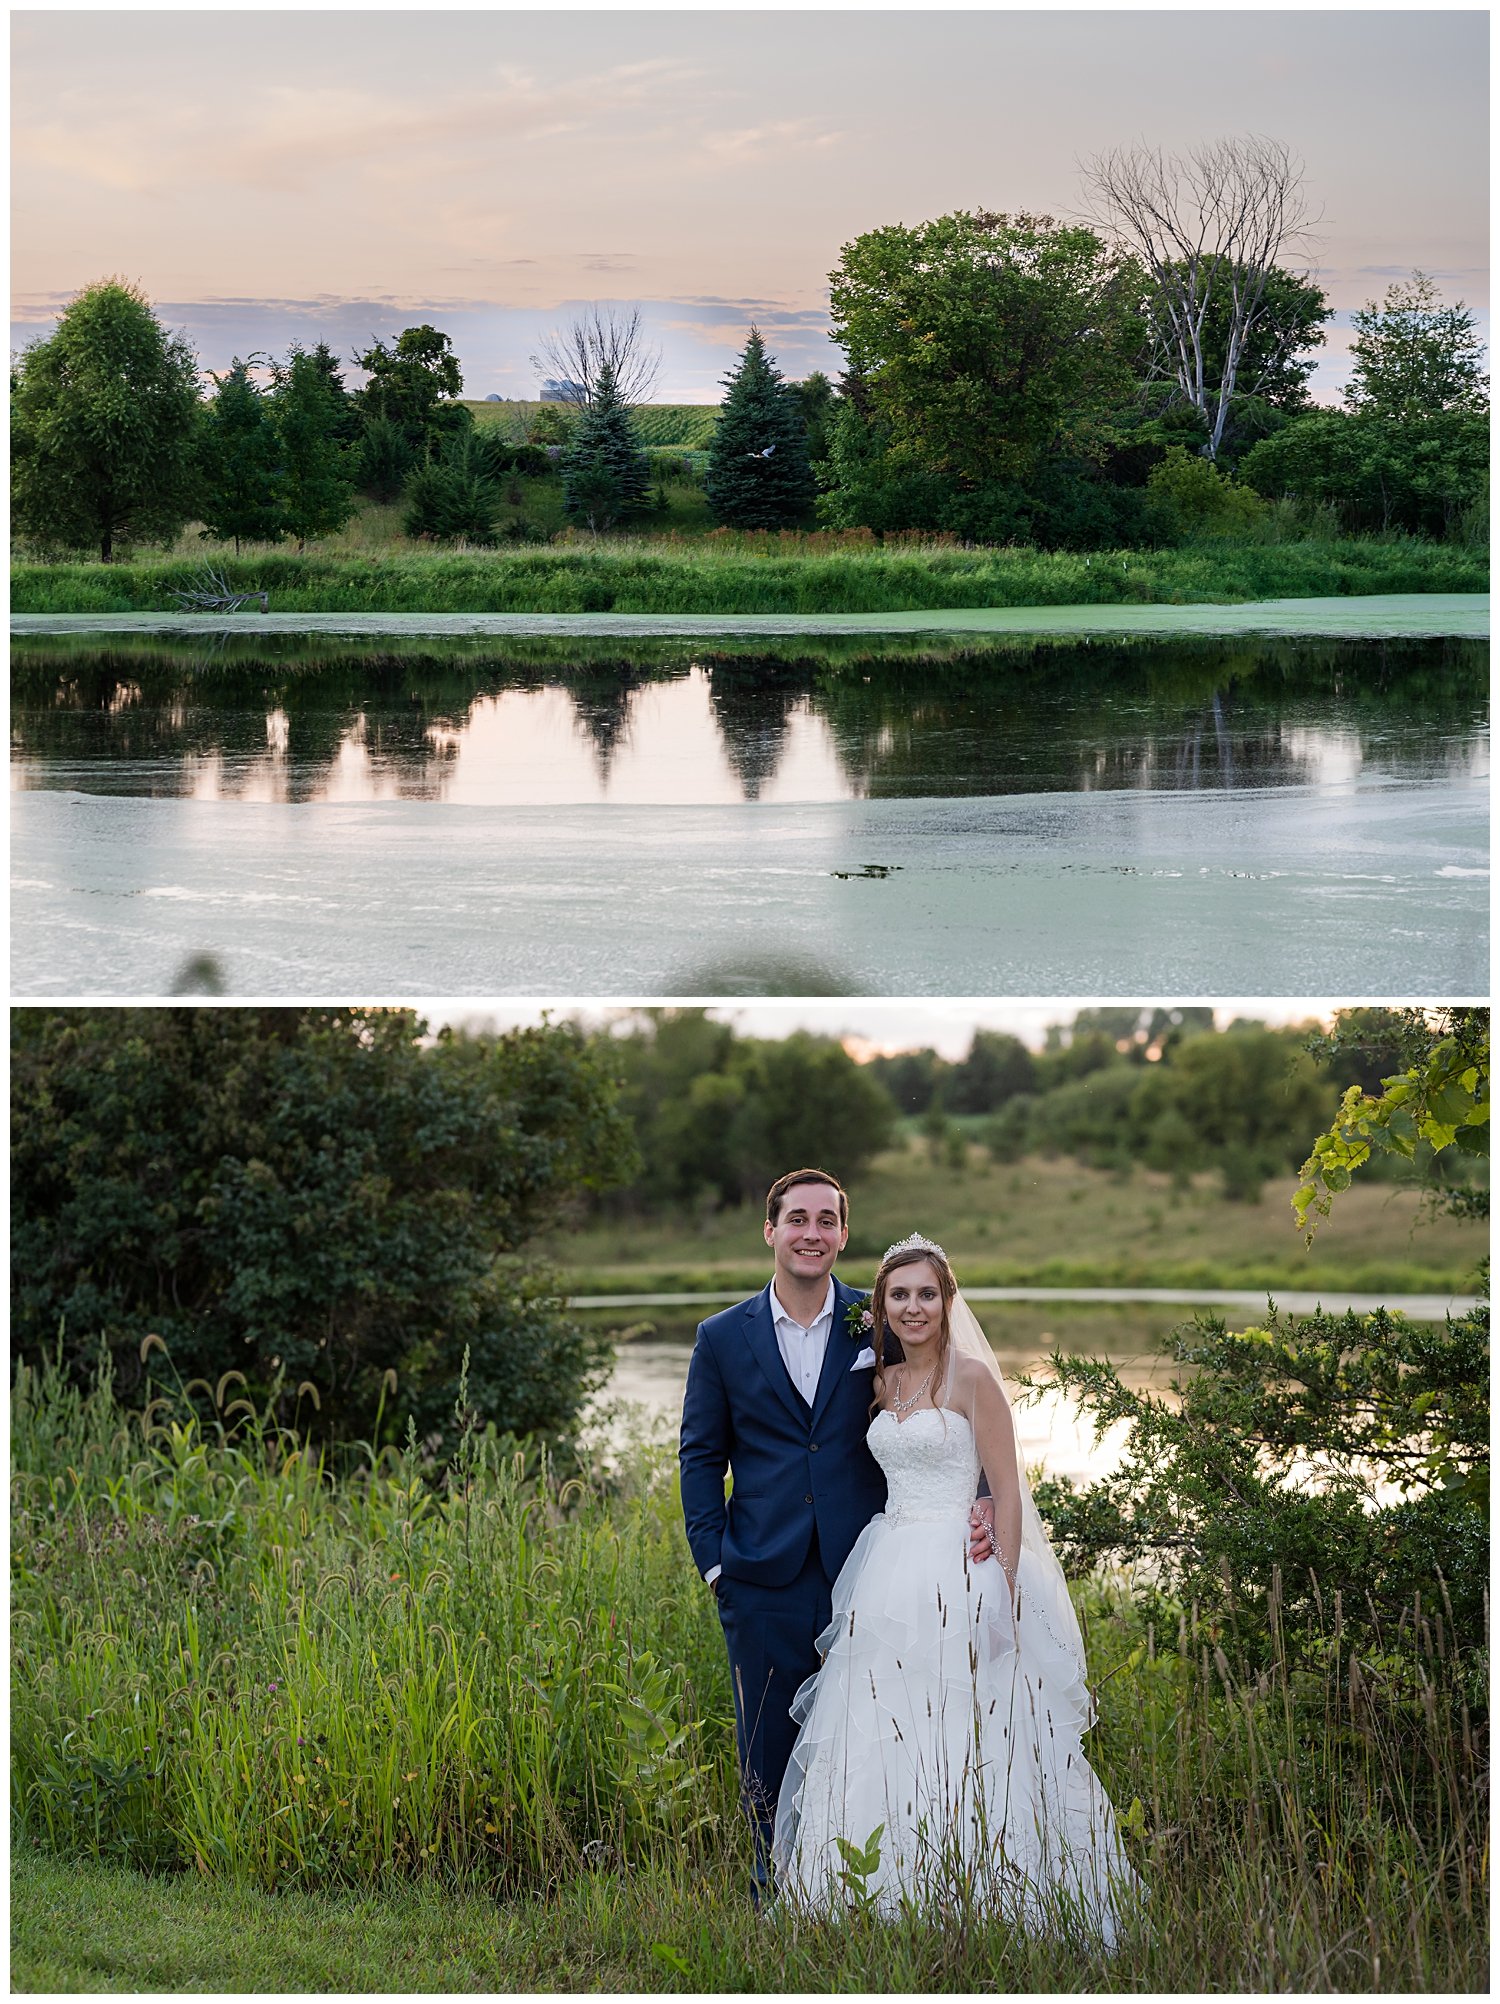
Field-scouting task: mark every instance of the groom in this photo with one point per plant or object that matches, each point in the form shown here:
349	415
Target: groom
779	1388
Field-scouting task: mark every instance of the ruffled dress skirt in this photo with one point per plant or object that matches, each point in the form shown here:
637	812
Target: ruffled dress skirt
942	1740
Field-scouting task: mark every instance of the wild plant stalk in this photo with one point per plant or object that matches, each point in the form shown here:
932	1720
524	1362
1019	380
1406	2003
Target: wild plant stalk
226	1659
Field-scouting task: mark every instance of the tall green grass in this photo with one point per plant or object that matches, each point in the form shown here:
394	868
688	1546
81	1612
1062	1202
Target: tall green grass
761	574
226	1661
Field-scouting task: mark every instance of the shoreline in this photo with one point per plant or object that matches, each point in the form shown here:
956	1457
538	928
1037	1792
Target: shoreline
1376	616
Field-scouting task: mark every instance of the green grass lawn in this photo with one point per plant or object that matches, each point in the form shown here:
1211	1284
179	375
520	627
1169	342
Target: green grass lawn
1057	1223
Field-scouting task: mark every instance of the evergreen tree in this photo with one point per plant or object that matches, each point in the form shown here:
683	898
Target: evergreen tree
319	494
244	487
606	477
758	476
383	459
454	497
349	427
103	418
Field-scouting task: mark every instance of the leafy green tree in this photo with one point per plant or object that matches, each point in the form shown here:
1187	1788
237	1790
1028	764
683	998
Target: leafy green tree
1313	1475
307	1195
819	401
914	1079
1246	1097
985	343
758	475
1440	1098
413	384
1199	498
606	475
1415	358
1425	475
318	491
103	422
996	1068
1313	1483
719	1115
241	470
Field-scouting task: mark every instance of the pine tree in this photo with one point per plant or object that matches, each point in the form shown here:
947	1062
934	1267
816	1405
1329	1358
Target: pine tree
606	477
758	476
318	491
350	426
453	497
240	456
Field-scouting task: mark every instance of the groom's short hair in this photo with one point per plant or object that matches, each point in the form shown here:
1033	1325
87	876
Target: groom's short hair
794	1176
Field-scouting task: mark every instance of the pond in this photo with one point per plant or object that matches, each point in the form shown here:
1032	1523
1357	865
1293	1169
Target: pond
1243	816
644	1392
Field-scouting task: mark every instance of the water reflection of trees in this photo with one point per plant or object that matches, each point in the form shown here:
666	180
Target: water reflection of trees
1097	717
1088	716
752	704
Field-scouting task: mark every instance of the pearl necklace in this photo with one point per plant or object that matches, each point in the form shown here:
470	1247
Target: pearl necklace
900	1406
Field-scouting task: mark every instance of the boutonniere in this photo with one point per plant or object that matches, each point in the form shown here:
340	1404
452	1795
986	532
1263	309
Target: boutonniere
859	1320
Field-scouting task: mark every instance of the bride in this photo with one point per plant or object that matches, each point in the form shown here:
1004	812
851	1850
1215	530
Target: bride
948	1714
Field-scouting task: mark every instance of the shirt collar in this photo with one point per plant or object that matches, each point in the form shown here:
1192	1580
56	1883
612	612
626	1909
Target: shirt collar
779	1313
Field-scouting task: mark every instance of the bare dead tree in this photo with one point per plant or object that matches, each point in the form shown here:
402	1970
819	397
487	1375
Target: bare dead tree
574	356
1207	226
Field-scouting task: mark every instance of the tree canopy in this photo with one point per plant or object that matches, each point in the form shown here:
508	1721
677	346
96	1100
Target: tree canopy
984	342
103	420
1415	358
306	1195
412	384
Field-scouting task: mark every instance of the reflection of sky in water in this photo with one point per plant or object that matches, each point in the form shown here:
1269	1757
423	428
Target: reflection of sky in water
694	740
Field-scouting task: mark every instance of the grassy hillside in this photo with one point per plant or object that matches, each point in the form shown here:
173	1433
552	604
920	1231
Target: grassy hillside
1053	1223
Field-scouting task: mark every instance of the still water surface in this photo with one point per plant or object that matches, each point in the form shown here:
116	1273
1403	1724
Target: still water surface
1240	817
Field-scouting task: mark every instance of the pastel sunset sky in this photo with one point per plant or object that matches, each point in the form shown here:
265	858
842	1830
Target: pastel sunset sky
302	175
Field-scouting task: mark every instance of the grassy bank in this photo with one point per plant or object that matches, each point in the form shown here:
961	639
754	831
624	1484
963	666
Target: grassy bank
1058	1223
769	574
365	1736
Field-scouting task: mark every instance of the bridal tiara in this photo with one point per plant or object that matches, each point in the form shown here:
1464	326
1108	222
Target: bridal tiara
915	1243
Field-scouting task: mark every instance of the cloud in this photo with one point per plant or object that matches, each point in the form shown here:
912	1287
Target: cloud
765	142
285	137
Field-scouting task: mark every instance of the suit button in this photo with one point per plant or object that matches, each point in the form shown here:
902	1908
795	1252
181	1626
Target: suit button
814	1448
807	1499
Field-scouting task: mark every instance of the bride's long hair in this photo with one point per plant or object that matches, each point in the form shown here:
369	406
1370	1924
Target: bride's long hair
887	1343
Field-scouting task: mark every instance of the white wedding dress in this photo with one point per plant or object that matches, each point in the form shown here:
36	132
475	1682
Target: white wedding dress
946	1720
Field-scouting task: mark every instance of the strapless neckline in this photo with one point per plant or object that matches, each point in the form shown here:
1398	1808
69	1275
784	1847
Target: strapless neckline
927	1412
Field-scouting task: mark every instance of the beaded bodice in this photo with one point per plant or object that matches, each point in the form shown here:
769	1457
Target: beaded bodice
930	1463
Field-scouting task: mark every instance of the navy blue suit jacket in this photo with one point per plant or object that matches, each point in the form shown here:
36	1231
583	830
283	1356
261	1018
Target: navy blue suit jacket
795	1466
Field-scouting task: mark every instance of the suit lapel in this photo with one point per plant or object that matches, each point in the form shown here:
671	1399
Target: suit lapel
838	1355
760	1333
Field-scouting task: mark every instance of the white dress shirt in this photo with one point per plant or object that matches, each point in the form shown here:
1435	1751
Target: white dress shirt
802	1351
